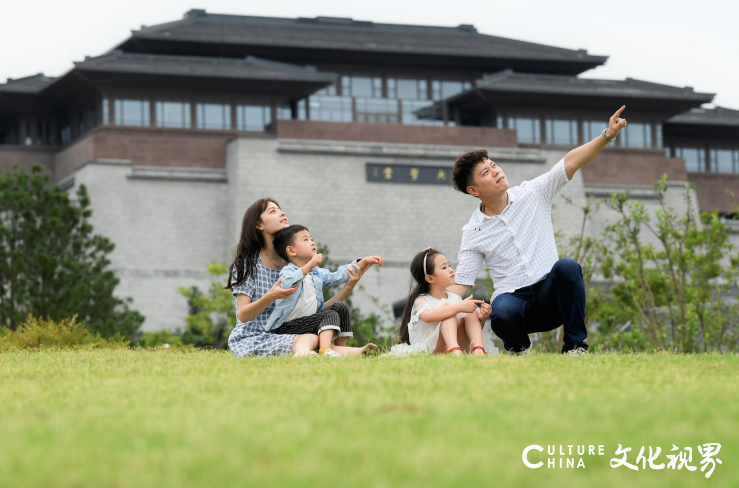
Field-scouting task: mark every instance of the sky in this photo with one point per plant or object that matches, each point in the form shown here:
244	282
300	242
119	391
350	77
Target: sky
676	43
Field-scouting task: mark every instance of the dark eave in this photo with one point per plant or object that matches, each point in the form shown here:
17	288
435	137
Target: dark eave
335	40
710	123
523	89
30	84
117	69
717	116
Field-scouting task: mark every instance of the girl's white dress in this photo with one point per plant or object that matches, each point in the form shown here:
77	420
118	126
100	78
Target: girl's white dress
424	336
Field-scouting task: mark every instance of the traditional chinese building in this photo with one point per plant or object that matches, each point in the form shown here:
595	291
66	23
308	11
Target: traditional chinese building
352	126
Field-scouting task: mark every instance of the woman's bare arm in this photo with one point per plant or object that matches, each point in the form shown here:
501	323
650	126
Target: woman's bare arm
247	310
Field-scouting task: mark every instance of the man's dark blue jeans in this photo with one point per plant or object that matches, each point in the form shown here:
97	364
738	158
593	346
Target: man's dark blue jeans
558	299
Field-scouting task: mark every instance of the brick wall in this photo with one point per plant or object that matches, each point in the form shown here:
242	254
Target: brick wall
473	137
712	191
25	156
619	166
146	147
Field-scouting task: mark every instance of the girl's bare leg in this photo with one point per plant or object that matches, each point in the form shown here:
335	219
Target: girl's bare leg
305	345
448	331
473	327
341	341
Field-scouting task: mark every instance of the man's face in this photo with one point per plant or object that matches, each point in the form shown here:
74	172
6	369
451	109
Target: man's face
489	180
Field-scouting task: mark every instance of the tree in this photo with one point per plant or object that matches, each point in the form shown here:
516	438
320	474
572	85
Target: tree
51	262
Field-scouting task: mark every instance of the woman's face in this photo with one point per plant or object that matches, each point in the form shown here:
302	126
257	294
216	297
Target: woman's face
272	219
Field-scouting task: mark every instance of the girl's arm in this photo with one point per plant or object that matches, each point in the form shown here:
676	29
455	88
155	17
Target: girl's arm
468	305
248	310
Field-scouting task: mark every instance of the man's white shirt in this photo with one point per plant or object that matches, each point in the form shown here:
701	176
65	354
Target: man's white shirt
518	245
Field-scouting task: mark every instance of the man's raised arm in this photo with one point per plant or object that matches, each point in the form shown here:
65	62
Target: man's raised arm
580	156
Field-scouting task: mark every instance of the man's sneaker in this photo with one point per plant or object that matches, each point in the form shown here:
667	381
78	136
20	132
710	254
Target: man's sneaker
333	354
525	352
578	351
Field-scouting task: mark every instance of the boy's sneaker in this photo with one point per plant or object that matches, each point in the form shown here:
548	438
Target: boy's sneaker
525	352
578	351
333	354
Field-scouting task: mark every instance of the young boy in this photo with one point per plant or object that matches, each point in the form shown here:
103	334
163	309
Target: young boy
303	311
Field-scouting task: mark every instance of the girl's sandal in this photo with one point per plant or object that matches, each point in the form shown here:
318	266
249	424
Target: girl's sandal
479	347
454	349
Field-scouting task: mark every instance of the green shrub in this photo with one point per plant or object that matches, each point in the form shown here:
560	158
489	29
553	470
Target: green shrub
161	337
52	264
211	315
39	333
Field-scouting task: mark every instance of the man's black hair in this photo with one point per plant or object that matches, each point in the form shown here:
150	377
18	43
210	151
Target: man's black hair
463	174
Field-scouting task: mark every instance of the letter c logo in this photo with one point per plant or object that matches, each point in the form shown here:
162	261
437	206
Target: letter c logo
526	461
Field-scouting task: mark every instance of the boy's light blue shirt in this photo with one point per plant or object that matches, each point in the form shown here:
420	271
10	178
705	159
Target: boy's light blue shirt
290	274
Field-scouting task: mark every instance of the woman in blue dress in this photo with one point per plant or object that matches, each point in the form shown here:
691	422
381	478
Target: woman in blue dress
254	280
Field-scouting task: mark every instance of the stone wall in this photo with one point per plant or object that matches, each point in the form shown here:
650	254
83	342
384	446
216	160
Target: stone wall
167	225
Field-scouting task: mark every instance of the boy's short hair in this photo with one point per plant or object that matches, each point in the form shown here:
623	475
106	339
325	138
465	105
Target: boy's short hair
286	237
463	174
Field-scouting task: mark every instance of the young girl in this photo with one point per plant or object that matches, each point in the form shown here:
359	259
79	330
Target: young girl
434	319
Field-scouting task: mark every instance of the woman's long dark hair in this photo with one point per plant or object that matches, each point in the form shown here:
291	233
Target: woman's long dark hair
250	243
421	288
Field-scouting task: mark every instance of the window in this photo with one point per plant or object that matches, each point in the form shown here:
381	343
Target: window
173	114
252	117
636	135
724	161
499	122
376	110
422	112
285	112
132	112
446	89
528	130
695	159
407	89
562	132
361	86
66	134
80	125
93	117
214	116
106	112
330	108
592	129
659	135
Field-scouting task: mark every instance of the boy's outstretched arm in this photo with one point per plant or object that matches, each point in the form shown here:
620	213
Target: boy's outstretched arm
580	156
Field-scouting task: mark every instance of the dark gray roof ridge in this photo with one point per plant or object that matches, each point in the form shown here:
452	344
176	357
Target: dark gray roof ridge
197	15
249	60
27	84
707	116
492	79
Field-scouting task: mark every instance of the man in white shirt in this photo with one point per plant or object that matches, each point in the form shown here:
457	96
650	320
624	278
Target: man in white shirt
511	232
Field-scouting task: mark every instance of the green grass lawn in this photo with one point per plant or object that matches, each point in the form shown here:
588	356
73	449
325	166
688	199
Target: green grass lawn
132	418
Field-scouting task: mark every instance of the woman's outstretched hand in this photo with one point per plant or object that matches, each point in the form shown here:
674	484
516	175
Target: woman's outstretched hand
355	274
277	292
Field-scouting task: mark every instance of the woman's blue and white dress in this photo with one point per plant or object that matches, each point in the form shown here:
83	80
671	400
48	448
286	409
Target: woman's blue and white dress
250	339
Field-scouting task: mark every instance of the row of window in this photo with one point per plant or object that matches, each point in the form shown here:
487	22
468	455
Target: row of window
333	108
213	116
564	132
721	160
397	88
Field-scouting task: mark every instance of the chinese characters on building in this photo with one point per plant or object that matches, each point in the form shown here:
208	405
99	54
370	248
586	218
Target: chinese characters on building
409	174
